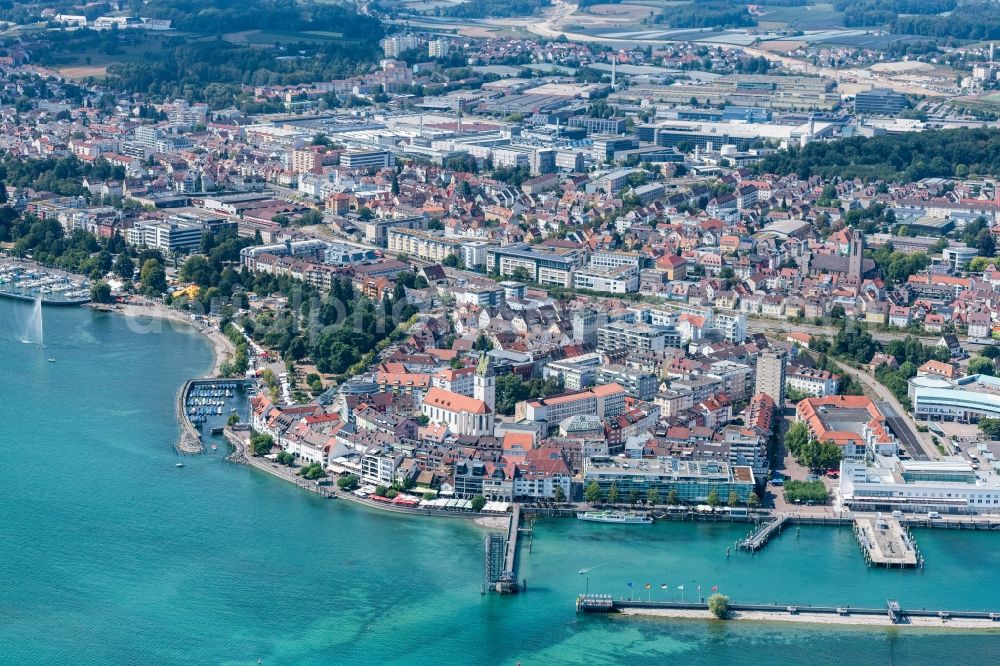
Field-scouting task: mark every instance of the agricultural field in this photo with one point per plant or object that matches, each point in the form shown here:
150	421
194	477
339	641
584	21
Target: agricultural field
810	17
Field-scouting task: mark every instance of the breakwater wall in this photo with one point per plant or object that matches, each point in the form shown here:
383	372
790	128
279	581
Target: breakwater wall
892	613
189	442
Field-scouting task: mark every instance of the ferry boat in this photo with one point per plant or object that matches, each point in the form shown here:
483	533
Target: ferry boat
629	517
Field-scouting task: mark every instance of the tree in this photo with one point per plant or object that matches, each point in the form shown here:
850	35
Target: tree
982	366
819	455
559	495
381	490
153	278
478	502
990	352
261	444
673	499
719	605
734	498
633	497
796	437
753	501
592	493
806	491
124	267
713	498
652	496
100	292
482	343
348	482
990	428
613	493
233	419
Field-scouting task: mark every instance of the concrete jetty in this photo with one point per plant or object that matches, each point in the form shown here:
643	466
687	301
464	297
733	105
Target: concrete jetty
886	542
890	614
189	441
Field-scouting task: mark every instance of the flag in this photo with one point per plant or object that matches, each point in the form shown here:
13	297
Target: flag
715	588
663	587
648	586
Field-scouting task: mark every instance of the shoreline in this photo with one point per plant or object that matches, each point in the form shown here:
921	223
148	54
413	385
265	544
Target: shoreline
222	347
189	440
240	454
805	617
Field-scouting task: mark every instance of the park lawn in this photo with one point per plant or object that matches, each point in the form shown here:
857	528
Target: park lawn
94	62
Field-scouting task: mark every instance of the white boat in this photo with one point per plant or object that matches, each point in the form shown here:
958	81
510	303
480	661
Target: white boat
179	465
628	517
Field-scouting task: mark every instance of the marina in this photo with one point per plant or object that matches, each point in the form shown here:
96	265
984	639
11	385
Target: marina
205	405
27	283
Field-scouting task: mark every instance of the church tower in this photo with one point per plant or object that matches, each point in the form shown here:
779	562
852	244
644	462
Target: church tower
485	387
855	256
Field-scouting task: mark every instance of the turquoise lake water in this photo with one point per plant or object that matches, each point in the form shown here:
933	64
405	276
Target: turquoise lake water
109	554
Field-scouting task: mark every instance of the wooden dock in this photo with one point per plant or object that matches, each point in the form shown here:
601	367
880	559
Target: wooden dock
885	542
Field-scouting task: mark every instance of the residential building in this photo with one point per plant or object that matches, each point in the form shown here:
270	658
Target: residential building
771	374
619	335
426	245
576	372
811	381
601	401
554	268
692	480
620	280
637	384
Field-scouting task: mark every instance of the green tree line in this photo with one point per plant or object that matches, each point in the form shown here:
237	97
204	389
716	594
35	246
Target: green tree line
905	157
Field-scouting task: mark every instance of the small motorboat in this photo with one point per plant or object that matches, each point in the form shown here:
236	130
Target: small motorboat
180	464
214	447
52	360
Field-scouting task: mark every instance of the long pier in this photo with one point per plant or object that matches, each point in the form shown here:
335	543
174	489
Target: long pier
892	612
510	557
